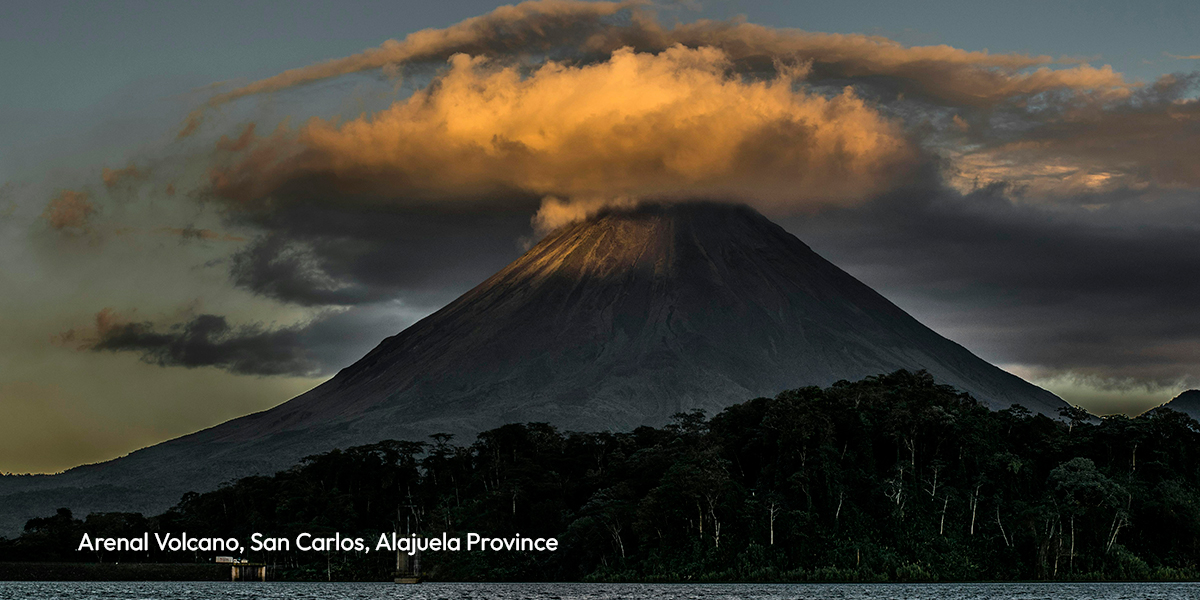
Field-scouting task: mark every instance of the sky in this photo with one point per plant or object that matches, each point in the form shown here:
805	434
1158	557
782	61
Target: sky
208	209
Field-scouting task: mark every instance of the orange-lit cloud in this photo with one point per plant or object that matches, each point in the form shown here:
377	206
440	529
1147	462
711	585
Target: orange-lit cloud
1152	142
105	322
941	73
69	212
673	124
240	143
589	31
115	177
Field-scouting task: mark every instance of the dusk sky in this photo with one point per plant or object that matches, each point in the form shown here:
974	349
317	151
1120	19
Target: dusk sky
207	209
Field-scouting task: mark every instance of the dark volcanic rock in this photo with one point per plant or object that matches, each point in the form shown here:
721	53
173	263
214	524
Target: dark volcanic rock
617	322
1187	403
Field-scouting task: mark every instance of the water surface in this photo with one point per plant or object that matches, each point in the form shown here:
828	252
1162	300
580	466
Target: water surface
591	591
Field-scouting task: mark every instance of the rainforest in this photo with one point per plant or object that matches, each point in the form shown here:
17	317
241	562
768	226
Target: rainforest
892	478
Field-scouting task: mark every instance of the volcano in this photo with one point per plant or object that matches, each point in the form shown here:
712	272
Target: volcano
1187	403
619	321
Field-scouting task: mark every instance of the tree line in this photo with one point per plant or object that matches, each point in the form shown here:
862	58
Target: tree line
891	478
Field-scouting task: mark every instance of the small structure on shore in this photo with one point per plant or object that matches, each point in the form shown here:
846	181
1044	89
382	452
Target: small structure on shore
408	568
242	569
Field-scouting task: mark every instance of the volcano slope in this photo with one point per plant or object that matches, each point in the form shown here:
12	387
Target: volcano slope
1187	403
619	321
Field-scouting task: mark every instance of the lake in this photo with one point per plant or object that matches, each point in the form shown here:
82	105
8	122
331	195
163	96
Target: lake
589	591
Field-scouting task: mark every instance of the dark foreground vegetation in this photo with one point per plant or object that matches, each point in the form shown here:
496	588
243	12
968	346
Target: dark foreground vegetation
129	571
893	478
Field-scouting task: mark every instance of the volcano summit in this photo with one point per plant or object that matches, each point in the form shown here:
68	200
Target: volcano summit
618	321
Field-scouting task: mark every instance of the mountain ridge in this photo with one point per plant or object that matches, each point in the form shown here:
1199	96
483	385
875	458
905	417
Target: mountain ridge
1187	402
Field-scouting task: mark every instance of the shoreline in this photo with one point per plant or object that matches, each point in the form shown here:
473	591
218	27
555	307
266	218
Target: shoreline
67	572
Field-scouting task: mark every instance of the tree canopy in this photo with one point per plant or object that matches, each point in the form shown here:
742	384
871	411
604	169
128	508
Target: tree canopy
893	477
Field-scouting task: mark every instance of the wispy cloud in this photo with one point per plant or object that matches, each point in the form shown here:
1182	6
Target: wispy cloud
113	178
204	341
588	31
70	212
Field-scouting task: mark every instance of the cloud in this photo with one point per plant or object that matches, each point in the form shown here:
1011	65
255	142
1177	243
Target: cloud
292	271
113	178
316	347
555	212
1179	57
327	256
627	108
1153	139
941	74
69	212
528	27
673	124
589	31
200	234
239	143
1095	293
207	341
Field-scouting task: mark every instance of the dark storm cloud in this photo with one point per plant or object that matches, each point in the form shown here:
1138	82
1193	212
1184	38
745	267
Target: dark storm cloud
318	347
209	341
1105	293
320	255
